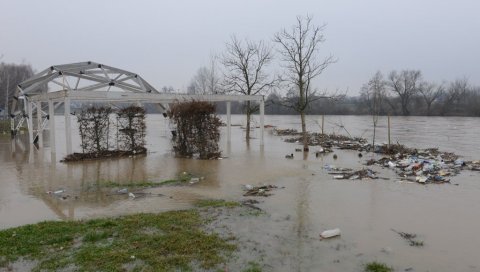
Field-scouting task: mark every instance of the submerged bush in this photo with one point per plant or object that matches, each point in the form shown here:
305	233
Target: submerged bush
94	125
198	129
131	128
94	128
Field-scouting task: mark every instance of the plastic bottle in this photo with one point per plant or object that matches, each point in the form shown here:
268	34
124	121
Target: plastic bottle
330	233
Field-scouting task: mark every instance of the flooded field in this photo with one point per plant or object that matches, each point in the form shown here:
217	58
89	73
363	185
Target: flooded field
444	216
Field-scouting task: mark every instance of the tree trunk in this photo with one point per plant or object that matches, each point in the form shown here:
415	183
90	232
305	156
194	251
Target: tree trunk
405	110
304	131
374	131
247	134
428	109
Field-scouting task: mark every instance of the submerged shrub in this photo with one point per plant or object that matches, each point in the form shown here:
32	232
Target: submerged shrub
94	128
131	128
198	129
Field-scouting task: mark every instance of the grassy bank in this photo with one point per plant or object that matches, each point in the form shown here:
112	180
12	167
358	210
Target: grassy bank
148	242
4	126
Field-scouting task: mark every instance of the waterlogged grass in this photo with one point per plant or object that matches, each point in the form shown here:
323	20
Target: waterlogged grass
216	203
181	178
253	267
111	184
377	267
147	242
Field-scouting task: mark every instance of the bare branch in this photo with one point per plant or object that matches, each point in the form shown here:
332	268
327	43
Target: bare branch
298	49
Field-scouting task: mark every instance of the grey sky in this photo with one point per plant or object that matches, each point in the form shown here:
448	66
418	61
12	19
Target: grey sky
167	41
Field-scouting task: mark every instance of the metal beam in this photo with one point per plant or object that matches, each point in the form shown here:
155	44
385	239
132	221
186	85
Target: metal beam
39	124
38	77
140	97
68	126
51	122
29	121
34	86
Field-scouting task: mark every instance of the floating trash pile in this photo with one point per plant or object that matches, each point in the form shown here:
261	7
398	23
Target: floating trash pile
326	141
426	166
415	165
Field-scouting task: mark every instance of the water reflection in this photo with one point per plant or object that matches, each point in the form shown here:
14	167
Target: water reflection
365	211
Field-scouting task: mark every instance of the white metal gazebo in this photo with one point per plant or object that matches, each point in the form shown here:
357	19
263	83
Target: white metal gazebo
91	81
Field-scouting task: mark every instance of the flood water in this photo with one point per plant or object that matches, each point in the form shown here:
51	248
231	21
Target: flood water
446	217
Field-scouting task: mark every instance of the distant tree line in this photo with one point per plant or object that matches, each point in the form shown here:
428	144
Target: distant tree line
407	93
399	93
389	96
10	76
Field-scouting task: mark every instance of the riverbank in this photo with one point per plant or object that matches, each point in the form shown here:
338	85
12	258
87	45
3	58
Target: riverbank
209	237
174	240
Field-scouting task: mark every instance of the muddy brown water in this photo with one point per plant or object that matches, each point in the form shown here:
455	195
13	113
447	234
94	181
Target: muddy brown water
446	217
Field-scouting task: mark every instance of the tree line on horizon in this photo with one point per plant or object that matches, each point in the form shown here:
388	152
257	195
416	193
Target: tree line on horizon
381	95
244	68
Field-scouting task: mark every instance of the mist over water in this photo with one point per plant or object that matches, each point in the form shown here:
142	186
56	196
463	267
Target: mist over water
444	216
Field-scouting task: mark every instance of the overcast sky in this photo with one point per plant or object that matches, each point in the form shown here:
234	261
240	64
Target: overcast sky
167	41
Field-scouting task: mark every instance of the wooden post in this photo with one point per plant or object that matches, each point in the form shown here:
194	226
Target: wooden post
262	121
389	132
229	122
68	126
323	122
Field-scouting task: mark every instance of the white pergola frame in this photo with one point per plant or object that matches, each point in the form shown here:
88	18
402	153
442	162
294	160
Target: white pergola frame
98	77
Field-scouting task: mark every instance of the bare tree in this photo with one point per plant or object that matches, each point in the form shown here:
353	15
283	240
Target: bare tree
299	52
454	95
430	93
406	85
199	83
374	93
245	64
168	89
206	80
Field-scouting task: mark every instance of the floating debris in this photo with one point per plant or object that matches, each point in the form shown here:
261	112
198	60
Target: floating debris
340	173
289	156
285	132
423	166
410	237
330	233
60	193
195	180
260	190
122	191
323	151
251	204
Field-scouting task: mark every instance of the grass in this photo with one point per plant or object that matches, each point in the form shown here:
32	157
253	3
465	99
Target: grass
112	184
377	267
216	203
253	267
181	178
147	242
